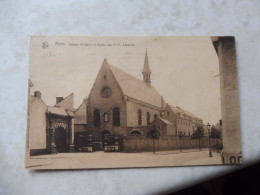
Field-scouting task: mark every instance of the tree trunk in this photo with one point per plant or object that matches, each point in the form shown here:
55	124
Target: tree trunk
180	146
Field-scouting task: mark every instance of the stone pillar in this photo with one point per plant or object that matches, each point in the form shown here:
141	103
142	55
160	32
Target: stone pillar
225	48
71	134
52	140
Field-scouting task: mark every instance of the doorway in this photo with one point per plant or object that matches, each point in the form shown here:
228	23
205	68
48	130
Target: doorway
104	133
60	139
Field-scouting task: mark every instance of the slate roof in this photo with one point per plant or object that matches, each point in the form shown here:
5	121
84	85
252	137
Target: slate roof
177	109
80	114
136	88
165	121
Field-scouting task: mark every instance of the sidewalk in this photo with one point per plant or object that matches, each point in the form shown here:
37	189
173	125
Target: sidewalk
122	160
165	152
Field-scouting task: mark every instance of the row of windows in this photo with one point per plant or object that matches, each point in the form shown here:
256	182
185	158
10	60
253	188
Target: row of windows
140	117
116	117
180	122
115	113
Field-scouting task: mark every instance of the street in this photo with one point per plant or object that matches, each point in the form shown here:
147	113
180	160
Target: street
102	159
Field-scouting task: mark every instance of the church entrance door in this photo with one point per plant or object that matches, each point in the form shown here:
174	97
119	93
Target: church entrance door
105	132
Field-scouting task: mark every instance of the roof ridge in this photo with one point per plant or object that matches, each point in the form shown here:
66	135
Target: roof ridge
65	98
130	75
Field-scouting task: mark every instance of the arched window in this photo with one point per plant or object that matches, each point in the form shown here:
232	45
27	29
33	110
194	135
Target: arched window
140	121
105	117
135	132
96	115
155	116
148	118
116	116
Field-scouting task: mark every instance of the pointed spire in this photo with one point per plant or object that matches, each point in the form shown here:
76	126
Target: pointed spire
146	64
105	62
146	70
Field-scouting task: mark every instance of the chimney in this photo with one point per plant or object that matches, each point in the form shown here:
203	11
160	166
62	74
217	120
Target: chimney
162	102
37	94
58	99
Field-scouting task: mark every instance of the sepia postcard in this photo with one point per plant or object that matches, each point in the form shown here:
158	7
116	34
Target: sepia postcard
121	102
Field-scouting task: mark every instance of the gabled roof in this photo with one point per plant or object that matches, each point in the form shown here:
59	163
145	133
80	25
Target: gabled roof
33	99
67	102
165	121
177	109
80	114
136	88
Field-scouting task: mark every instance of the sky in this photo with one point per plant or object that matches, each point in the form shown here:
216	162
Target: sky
185	70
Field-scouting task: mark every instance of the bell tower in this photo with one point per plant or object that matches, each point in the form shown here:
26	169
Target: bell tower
146	71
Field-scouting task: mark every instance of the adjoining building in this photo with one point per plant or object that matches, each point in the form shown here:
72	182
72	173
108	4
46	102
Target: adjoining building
184	121
51	128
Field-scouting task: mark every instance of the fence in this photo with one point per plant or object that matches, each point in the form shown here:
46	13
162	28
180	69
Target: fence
142	144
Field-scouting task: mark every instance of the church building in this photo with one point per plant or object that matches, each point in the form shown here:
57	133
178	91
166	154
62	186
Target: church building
120	103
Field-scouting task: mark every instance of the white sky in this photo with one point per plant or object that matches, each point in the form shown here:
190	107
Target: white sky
183	68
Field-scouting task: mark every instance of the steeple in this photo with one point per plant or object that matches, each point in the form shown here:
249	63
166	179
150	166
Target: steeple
146	71
105	62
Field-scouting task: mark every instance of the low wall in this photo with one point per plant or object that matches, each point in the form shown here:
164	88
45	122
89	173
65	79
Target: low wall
142	144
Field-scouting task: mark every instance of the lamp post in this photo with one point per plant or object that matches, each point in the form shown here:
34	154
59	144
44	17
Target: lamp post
180	137
208	127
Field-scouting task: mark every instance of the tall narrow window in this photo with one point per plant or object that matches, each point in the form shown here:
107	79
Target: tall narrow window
155	116
96	115
140	121
148	118
105	117
116	116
